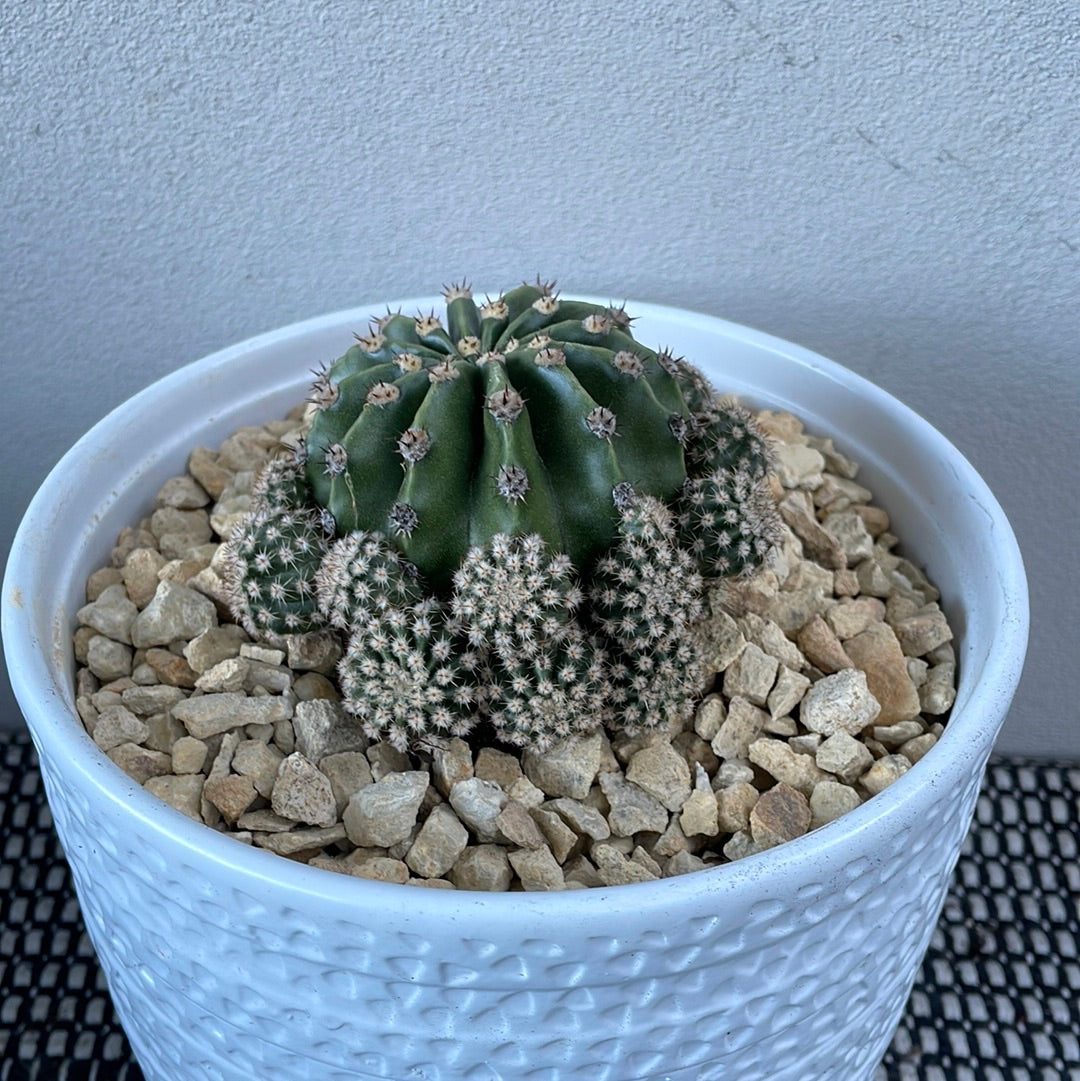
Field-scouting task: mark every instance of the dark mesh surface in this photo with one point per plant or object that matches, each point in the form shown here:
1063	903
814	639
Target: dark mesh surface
998	997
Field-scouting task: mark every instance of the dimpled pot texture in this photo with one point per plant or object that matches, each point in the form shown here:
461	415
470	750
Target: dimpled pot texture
227	962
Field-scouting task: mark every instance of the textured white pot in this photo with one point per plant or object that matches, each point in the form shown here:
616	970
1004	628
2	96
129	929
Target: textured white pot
226	962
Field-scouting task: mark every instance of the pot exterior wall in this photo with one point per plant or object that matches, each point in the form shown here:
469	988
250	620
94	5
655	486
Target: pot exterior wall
228	963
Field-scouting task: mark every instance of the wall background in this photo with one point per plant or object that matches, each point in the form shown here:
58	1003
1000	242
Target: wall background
894	186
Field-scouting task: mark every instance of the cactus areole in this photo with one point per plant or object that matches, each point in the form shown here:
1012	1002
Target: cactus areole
520	416
508	516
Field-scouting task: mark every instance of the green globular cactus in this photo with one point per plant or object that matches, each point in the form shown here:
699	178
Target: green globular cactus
520	416
404	677
647	598
509	516
272	560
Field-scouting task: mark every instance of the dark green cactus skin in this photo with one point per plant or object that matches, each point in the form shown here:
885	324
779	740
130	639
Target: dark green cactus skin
521	416
272	561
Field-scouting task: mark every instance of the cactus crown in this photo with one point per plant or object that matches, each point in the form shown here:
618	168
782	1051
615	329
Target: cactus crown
526	503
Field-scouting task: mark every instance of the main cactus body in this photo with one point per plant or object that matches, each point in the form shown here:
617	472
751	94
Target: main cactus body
511	518
523	416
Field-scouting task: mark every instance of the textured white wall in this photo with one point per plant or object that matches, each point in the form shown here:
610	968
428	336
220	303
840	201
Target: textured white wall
892	185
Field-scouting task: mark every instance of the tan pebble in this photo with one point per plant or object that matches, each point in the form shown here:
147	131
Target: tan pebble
498	766
780	814
231	795
661	772
560	838
845	583
537	869
140	574
171	668
877	653
188	755
108	660
733	805
100	580
441	840
451	763
829	801
526	793
348	772
116	725
517	826
140	763
820	645
482	867
922	632
259	762
740	845
841	702
743	724
614	869
844	756
938	692
205	468
751	675
797	510
683	863
893	735
302	793
382	869
798	771
883	772
227	675
914	749
182	793
581	871
293	842
699	814
314	685
851	617
710	715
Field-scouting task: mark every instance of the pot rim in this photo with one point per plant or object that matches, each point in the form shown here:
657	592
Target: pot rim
57	730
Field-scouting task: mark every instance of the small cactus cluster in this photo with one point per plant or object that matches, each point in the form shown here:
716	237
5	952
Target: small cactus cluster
510	518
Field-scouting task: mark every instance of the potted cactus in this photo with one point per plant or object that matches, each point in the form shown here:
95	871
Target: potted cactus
557	591
511	518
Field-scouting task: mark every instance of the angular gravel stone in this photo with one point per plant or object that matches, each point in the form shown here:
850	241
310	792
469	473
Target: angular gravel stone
116	725
182	793
722	641
844	756
146	701
797	510
211	714
517	826
798	466
733	806
108	660
441	840
260	763
699	813
303	793
614	869
744	724
231	795
140	574
498	766
798	771
788	691
751	675
883	772
877	652
227	675
583	820
384	813
829	801
317	652
661	772
451	763
171	669
112	614
323	728
710	715
682	863
537	869
482	867
188	755
916	748
478	804
140	763
839	703
632	808
175	613
849	531
292	841
780	814
348	772
938	691
560	838
214	645
182	492
567	768
850	618
821	647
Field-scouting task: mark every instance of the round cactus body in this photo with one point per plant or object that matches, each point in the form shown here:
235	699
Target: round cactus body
520	416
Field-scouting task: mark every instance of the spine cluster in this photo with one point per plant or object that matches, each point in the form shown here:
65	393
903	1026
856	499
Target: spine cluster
510	518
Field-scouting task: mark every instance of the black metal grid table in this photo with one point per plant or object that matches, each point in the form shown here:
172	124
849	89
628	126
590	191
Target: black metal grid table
997	999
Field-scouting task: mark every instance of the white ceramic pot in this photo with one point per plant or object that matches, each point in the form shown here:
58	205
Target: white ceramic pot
226	962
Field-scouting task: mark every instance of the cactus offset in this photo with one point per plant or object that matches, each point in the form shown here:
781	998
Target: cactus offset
509	516
272	559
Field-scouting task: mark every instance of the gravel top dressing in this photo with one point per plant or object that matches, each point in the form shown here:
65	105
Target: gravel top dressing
829	674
